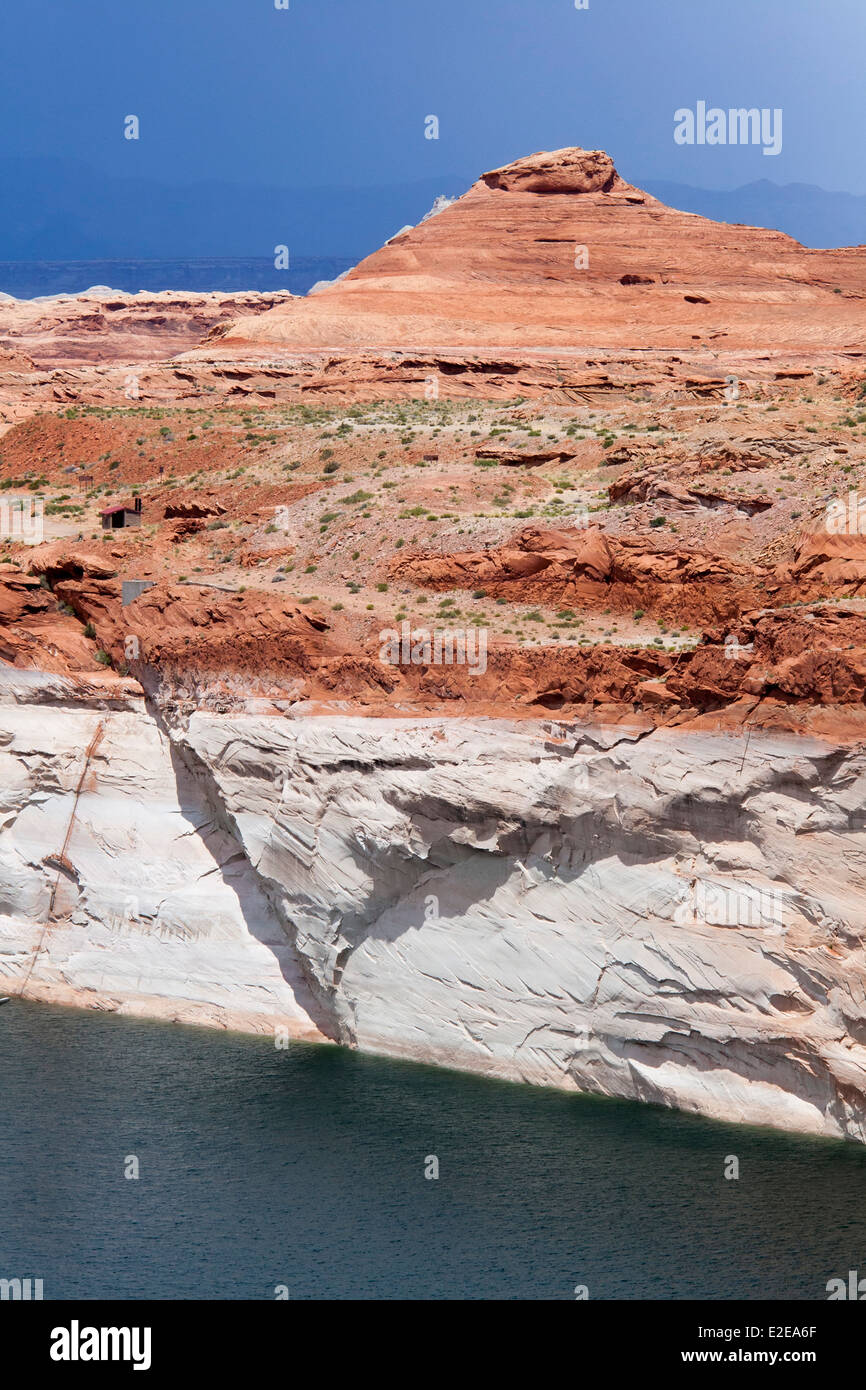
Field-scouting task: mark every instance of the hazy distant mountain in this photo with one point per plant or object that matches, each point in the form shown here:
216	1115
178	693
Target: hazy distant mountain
809	214
56	209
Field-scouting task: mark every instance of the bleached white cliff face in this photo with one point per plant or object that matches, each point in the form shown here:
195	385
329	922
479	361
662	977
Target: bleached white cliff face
661	915
649	915
158	911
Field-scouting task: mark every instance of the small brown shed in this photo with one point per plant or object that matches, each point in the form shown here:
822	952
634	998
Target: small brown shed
114	518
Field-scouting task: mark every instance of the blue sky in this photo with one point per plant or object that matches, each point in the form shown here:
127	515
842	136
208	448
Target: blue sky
336	91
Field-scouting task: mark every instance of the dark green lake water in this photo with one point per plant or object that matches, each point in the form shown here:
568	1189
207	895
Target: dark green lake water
306	1168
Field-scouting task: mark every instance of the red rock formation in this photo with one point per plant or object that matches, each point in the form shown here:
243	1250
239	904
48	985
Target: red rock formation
35	634
811	655
589	568
563	171
783	664
825	559
198	627
110	326
556	251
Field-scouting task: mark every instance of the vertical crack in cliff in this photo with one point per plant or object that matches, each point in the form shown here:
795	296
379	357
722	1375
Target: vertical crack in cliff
317	1003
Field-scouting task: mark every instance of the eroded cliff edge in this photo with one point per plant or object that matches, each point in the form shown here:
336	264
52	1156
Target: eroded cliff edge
670	915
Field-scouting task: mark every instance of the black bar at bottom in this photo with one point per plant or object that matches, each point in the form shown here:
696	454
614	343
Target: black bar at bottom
83	1338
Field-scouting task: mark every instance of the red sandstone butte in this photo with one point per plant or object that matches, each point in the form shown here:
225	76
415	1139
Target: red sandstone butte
500	268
